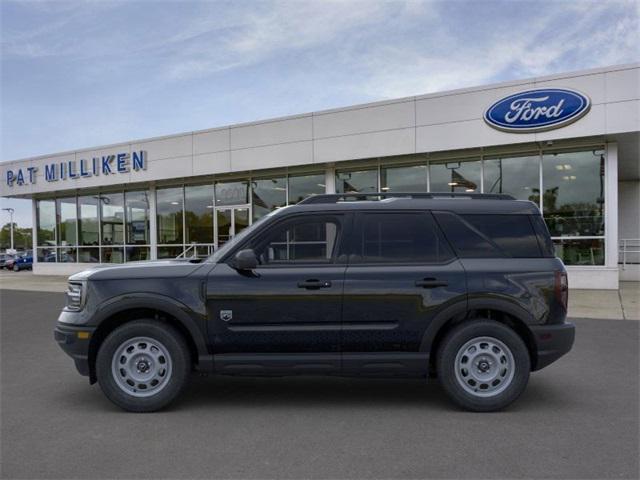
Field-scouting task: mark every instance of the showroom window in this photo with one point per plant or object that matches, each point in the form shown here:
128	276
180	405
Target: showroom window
302	186
357	181
232	193
137	227
88	229
455	176
515	176
46	230
573	204
170	219
170	215
198	214
67	221
112	227
404	179
112	218
67	214
267	194
46	222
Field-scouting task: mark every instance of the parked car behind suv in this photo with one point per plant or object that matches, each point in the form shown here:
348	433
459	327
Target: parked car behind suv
22	261
463	287
4	258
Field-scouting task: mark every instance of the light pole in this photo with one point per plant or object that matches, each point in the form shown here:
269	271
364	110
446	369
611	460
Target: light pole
10	210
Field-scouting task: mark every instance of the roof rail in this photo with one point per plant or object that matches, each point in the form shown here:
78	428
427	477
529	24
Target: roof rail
347	197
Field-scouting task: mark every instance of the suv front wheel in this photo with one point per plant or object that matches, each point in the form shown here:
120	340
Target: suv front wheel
483	365
143	365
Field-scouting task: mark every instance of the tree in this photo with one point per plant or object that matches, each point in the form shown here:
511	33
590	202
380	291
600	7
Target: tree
22	237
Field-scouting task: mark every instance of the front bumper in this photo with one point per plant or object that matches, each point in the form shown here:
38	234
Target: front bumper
75	343
552	342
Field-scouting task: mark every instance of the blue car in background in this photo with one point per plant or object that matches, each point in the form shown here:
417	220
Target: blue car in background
23	261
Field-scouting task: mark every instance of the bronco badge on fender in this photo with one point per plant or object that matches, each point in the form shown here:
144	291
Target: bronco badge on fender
537	110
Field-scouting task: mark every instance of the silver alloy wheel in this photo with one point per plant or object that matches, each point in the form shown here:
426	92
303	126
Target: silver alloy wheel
484	366
141	366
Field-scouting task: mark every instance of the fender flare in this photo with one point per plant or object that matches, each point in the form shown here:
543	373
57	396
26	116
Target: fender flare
461	308
162	303
458	309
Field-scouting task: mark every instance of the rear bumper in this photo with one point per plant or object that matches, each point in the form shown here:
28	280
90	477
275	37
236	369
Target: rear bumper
75	345
552	342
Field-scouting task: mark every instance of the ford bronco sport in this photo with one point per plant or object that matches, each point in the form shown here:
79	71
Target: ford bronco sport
465	287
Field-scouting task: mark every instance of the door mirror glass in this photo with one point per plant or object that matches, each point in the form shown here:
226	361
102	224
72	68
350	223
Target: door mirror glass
245	260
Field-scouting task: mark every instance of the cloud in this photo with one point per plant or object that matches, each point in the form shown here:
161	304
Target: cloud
555	40
266	31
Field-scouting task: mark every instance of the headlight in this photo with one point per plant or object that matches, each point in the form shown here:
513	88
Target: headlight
75	297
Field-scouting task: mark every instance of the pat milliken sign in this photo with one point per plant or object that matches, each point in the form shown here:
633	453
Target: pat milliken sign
105	165
537	110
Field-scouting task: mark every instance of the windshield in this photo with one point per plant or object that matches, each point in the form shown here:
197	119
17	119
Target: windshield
224	249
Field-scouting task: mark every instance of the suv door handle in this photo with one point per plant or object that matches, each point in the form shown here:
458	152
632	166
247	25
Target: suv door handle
431	283
314	284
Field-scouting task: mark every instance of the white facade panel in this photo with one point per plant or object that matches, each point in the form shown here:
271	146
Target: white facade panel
591	85
271	133
628	209
593	278
461	107
593	123
170	147
362	120
623	85
287	154
623	116
469	134
176	167
212	141
378	144
210	163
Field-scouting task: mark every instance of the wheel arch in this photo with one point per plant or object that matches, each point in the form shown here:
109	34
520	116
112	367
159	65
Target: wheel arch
500	310
119	311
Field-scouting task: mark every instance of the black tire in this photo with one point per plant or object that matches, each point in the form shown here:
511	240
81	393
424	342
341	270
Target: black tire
179	360
458	386
16	268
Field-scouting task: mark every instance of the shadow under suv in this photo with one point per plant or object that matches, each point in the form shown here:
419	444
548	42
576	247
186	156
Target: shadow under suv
465	287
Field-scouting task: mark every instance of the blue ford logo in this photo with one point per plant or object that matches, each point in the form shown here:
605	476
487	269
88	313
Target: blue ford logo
537	110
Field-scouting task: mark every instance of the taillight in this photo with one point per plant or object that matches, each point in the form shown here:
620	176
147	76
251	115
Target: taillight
562	288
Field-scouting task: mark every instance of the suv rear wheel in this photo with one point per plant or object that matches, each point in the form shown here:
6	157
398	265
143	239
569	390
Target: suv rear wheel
483	365
143	365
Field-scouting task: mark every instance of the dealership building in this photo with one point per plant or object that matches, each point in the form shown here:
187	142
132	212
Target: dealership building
569	142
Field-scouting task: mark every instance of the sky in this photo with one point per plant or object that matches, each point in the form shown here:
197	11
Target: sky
87	73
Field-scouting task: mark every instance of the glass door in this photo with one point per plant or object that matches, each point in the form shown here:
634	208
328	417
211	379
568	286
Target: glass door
229	222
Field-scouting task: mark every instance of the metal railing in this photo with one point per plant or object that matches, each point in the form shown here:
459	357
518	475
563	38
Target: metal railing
629	247
192	251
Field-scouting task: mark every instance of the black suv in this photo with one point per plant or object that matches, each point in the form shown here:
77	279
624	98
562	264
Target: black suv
465	287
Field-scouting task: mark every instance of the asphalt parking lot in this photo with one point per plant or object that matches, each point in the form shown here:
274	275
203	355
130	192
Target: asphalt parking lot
577	419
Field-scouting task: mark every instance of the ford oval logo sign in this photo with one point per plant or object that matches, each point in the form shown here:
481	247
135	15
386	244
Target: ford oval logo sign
537	110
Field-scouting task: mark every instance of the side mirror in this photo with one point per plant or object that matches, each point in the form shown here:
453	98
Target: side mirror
245	260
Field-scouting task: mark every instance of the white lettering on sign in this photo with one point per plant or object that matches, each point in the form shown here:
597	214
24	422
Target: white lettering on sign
524	109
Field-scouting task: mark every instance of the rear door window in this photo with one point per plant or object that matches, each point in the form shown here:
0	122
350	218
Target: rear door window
400	237
490	235
513	234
